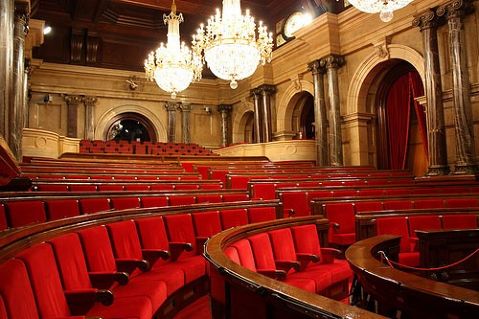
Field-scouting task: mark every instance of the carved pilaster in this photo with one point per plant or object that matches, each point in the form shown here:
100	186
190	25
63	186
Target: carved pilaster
185	120
225	111
454	12
428	22
72	114
318	70
266	92
332	63
171	112
257	115
90	102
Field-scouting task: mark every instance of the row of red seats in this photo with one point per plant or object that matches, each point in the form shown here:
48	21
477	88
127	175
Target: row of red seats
294	255
406	226
342	214
133	267
18	213
113	187
116	177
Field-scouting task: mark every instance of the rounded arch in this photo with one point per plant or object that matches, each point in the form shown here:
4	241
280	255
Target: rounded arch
240	120
107	119
288	101
373	66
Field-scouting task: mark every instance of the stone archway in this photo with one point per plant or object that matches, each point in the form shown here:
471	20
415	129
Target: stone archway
106	120
240	120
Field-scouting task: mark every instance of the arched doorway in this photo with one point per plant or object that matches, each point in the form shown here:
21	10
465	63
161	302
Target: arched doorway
303	116
248	123
401	121
130	127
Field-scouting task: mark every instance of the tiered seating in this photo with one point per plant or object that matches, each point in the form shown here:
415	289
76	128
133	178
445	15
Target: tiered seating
143	148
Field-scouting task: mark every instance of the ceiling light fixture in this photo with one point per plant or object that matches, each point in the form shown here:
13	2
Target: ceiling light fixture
384	7
229	43
174	66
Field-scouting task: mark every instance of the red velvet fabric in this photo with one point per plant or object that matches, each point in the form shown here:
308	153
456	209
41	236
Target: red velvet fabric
182	200
261	214
98	249
295	204
262	251
462	202
429	203
45	280
3	218
184	187
152	233
137	187
62	208
398	204
417	90
264	191
368	206
180	229
394	226
459	221
283	245
110	188
125	202
53	187
235	197
211	186
210	198
233	217
154	201
245	254
24	213
3	310
423	222
94	205
343	215
16	291
82	188
207	224
232	254
306	239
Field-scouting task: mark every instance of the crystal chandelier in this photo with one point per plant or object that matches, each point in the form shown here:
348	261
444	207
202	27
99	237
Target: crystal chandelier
384	7
174	66
231	48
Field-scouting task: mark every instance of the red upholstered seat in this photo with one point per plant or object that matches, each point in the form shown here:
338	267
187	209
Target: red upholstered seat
398	226
184	187
263	191
3	309
245	254
182	200
82	188
232	254
261	214
429	203
341	228
99	258
110	188
368	206
295	204
154	201
126	246
137	187
217	185
209	198
153	235
52	187
398	204
125	202
264	261
162	187
207	224
74	275
233	217
3	218
94	205
235	197
422	222
62	208
16	291
462	202
22	213
459	221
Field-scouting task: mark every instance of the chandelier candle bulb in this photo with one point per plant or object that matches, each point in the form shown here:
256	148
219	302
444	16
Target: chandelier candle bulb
229	45
174	66
384	7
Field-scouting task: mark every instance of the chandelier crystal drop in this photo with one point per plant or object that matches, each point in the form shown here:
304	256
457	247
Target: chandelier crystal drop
384	7
231	43
174	66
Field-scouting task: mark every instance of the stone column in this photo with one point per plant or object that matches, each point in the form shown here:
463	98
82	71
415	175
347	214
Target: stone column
16	112
332	63
257	116
6	66
454	12
72	114
225	111
89	102
171	109
26	95
185	117
436	132
266	92
318	70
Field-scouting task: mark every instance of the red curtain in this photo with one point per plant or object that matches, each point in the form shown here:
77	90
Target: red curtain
398	120
415	85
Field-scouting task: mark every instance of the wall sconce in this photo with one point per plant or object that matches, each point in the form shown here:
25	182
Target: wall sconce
207	110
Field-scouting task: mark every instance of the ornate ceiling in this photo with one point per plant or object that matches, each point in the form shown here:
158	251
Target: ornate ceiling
120	33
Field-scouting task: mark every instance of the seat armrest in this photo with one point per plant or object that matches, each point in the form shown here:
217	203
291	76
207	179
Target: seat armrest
176	248
129	265
80	301
304	259
106	279
287	265
154	254
272	273
328	255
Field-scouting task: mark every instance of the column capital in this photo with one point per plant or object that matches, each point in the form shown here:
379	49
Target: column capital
267	89
256	92
171	107
185	107
455	9
22	14
90	100
317	67
333	61
225	108
426	20
73	99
